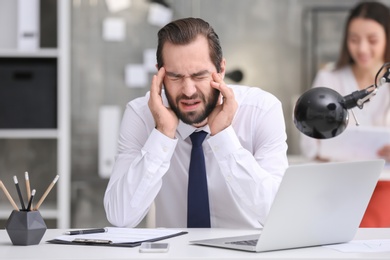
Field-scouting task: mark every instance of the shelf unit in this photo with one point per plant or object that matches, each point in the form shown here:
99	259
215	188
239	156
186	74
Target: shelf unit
60	209
41	53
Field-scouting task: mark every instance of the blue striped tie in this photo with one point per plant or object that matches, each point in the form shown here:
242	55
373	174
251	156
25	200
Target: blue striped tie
198	213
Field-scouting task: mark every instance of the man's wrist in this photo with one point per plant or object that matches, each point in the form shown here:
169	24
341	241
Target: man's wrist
168	132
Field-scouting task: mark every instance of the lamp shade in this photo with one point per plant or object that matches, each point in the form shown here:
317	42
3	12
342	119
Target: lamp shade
235	75
321	113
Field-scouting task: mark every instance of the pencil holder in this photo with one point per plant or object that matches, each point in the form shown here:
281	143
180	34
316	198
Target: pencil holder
25	227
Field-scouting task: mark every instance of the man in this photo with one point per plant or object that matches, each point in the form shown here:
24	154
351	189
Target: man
244	151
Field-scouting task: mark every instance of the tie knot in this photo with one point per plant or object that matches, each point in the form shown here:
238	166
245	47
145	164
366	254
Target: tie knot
197	138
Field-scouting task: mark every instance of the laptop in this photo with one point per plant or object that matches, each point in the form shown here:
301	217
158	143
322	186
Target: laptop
316	204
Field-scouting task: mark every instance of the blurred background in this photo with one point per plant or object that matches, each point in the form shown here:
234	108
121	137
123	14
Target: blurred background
276	45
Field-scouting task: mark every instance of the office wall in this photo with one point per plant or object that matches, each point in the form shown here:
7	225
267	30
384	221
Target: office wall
272	42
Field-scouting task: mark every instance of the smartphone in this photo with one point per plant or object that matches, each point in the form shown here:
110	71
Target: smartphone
149	247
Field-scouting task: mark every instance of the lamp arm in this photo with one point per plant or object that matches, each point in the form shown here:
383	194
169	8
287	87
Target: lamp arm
386	77
358	98
367	98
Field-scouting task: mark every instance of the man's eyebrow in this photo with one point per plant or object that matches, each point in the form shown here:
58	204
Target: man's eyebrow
178	75
173	74
200	73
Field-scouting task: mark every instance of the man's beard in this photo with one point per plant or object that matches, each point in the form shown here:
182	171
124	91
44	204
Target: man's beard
194	117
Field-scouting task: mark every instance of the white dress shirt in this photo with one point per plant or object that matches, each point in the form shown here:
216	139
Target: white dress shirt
374	113
244	163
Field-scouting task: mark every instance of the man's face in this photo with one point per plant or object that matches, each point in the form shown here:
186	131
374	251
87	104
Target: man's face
187	81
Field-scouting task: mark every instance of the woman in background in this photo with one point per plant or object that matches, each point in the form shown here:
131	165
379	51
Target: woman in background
364	50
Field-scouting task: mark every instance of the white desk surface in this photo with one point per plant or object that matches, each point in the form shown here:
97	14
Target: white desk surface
180	248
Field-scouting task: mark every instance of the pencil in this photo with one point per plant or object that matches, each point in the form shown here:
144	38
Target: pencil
27	185
46	192
30	200
19	193
9	196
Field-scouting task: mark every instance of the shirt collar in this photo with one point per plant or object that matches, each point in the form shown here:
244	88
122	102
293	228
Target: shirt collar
185	130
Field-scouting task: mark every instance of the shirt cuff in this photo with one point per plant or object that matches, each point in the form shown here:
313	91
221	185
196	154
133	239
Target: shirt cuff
160	146
224	143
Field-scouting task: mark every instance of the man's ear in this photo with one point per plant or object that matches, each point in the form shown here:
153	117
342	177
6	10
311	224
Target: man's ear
223	68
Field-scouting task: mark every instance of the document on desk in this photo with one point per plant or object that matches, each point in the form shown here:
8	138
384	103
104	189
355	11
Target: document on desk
355	143
363	246
127	237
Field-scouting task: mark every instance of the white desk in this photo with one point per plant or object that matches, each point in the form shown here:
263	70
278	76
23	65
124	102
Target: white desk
179	248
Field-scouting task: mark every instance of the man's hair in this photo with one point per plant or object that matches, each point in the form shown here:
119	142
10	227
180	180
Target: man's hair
368	10
184	31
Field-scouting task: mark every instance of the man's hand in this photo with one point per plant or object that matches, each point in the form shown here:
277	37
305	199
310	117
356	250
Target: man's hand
223	114
165	119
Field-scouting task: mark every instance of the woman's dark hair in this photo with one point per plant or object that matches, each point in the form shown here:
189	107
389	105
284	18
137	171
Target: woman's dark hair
184	31
368	10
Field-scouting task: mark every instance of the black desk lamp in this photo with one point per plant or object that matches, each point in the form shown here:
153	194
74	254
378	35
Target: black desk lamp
235	75
322	113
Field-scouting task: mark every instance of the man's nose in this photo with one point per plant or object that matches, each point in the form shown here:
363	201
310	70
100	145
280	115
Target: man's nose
188	87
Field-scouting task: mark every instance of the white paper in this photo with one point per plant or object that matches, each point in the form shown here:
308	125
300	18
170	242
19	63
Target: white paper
355	143
363	246
136	76
150	60
159	15
28	24
109	122
123	235
117	5
114	29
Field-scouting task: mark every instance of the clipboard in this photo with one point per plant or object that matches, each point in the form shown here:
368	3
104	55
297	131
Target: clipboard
118	237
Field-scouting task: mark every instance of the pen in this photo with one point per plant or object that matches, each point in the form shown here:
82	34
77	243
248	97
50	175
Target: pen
46	192
31	199
19	193
9	196
27	185
86	231
92	241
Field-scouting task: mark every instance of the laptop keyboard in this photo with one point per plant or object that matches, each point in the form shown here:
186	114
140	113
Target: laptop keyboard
252	242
